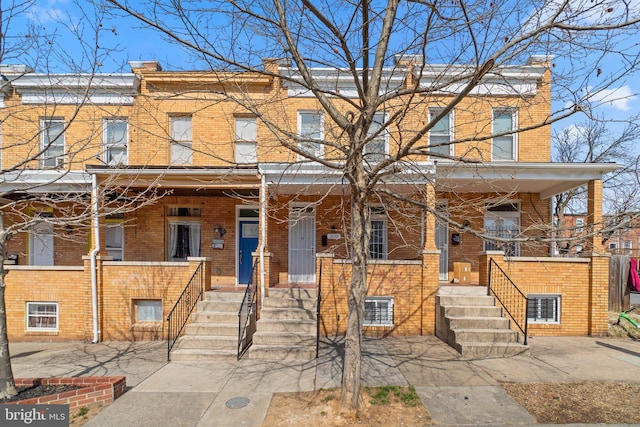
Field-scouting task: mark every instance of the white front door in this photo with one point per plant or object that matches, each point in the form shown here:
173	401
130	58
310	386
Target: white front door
302	244
442	239
41	244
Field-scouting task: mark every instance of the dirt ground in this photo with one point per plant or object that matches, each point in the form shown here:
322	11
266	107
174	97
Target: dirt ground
401	407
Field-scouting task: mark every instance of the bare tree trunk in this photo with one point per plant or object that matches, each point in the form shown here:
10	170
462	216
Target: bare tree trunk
7	385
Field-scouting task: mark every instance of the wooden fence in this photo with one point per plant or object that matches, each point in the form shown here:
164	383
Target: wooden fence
618	278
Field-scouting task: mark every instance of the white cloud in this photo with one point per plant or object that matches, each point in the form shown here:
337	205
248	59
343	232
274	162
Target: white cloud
49	11
617	98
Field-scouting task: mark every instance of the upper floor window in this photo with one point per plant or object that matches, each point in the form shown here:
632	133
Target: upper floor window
246	140
181	140
376	148
504	124
115	141
440	134
52	142
310	130
579	225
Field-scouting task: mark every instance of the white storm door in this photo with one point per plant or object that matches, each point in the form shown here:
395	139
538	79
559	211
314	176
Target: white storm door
442	240
302	244
41	244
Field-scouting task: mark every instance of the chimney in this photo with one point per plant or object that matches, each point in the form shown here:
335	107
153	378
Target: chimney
141	66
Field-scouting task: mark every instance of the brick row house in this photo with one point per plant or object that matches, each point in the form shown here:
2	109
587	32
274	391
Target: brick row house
216	189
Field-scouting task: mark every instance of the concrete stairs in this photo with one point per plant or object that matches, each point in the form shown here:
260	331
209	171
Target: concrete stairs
469	321
212	333
288	325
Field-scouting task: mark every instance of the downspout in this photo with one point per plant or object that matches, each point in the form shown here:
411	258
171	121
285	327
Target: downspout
263	231
93	254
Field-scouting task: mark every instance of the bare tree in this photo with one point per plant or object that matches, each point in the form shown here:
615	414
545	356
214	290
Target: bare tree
359	41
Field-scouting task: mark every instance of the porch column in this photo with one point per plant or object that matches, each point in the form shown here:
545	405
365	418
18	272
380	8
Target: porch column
430	221
594	217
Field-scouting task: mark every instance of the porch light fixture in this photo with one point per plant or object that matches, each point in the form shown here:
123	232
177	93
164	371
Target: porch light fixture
220	230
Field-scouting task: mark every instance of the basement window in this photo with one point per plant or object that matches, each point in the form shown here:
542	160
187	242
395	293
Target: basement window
378	311
147	310
42	316
543	309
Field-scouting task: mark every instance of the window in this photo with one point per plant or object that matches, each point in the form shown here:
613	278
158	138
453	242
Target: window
114	239
310	130
378	241
613	245
184	233
543	308
52	139
147	310
115	141
376	149
181	142
627	244
502	222
378	311
504	146
440	134
246	137
579	225
42	316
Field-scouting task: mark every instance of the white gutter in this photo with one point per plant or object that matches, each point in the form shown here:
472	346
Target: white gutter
263	231
94	252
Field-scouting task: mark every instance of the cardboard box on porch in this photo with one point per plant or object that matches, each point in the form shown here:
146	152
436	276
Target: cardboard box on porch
461	272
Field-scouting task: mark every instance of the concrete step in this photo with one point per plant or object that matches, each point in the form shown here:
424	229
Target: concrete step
478	350
284	339
463	290
214	317
477	322
208	342
293	293
219	306
212	329
300	326
471	311
287	314
224	296
465	300
269	352
484	335
203	355
285	302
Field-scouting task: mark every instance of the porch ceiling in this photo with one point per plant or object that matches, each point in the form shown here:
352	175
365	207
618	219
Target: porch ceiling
545	179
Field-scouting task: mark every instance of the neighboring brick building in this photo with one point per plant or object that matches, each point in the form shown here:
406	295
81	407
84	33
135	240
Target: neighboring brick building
234	192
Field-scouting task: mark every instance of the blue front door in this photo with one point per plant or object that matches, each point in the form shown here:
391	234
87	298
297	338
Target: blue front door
248	243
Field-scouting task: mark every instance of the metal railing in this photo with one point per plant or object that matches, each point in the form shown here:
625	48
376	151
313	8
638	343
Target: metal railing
318	310
512	299
179	314
247	309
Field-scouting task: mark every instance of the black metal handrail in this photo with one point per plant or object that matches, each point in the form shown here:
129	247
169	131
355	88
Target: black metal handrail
318	309
179	314
247	309
512	299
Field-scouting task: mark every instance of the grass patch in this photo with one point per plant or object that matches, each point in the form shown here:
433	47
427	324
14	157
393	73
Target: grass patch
385	395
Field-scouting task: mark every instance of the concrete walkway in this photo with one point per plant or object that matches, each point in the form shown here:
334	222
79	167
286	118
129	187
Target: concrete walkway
454	391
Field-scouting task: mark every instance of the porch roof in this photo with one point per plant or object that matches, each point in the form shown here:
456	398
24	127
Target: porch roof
545	179
37	181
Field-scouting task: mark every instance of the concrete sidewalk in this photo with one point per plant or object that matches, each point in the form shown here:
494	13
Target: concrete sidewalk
454	391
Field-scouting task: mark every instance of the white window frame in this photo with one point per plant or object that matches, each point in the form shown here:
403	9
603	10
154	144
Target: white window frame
613	245
246	148
627	244
538	319
376	300
136	303
579	225
502	215
52	160
115	224
379	214
319	150
433	112
40	328
371	154
181	147
108	146
513	136
192	218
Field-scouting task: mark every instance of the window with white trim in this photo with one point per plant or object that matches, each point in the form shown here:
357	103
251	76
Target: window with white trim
183	233
441	134
42	316
627	244
377	147
311	132
378	311
502	223
246	140
543	308
52	142
613	245
378	241
115	137
504	147
114	239
181	140
579	225
147	310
